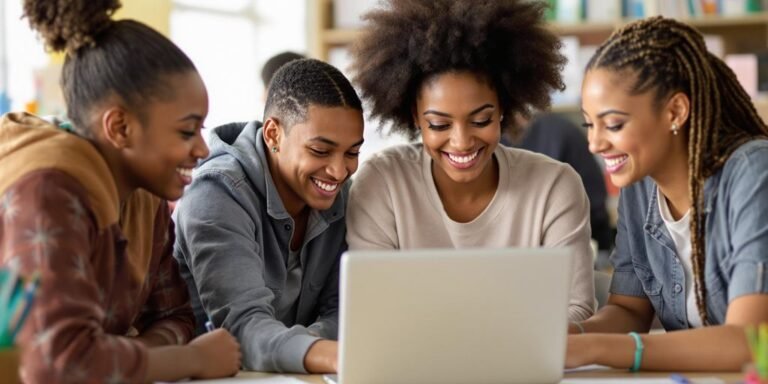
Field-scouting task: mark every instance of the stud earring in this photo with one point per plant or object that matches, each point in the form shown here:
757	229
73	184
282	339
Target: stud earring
274	149
675	129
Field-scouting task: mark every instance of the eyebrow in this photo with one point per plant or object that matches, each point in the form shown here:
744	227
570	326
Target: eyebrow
333	143
476	111
609	112
192	116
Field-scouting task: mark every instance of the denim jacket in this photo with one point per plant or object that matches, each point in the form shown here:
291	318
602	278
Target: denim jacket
645	259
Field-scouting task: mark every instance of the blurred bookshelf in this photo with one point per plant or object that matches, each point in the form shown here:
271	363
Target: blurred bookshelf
732	34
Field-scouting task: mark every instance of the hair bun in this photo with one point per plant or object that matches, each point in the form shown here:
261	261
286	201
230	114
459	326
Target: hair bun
69	24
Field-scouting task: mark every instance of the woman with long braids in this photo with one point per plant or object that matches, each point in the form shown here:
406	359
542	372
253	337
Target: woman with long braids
683	140
84	206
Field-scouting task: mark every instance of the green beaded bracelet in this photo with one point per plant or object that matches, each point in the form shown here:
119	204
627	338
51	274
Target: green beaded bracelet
638	352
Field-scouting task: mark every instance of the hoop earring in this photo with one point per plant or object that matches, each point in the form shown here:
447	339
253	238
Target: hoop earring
275	149
675	129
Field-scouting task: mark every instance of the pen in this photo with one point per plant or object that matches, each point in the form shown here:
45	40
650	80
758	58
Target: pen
29	298
209	326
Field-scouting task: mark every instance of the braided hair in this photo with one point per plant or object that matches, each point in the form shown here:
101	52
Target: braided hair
668	56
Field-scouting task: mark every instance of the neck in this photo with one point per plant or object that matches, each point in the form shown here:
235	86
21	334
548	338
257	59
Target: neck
123	185
672	180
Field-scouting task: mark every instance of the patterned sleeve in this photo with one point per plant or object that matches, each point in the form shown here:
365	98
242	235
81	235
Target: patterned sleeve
167	312
47	226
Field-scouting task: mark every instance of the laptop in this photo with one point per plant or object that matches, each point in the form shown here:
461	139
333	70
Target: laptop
453	316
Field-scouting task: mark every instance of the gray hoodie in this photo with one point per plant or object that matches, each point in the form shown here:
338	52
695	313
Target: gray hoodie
232	241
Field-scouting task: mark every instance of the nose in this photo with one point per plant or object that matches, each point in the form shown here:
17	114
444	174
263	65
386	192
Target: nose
200	150
597	141
461	138
337	169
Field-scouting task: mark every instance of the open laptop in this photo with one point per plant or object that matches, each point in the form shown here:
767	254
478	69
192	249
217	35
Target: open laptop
453	316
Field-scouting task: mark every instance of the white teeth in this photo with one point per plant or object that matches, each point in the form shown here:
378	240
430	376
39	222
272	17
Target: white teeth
184	171
612	162
463	159
325	186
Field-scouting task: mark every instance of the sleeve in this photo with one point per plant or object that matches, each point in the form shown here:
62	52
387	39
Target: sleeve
624	280
167	312
370	214
327	324
748	224
47	228
566	224
226	261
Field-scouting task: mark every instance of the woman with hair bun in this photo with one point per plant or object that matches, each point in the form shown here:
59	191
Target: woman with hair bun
85	207
455	73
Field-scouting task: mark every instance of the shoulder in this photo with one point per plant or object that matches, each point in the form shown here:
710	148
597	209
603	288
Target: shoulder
48	186
750	157
224	168
745	171
524	163
394	162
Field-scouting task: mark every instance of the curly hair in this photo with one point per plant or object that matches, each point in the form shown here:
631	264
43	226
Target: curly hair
301	83
666	56
105	58
407	42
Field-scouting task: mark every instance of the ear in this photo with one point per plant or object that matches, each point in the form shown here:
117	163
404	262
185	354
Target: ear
115	127
679	109
272	132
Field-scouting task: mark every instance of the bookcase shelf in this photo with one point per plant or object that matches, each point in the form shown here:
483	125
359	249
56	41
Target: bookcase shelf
738	34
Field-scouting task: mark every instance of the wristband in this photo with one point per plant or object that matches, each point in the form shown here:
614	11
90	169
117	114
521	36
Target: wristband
638	352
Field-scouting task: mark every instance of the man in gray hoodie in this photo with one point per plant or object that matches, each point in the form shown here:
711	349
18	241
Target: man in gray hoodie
260	230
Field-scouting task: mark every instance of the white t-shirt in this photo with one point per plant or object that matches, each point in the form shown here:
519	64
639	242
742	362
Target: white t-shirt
539	202
681	236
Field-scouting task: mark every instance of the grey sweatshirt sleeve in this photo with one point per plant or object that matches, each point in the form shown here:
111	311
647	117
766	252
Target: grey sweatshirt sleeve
219	234
327	324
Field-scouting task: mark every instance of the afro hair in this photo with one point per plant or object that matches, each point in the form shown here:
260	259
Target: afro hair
406	42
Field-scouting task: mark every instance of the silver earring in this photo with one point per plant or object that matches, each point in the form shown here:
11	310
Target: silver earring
274	149
675	129
501	118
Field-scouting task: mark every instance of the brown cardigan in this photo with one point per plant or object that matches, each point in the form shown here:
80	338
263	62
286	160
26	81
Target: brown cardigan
106	273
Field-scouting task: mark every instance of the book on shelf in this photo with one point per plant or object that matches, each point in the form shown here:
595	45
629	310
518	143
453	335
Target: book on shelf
570	11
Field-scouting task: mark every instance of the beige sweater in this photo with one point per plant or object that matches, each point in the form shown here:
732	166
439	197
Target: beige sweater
394	204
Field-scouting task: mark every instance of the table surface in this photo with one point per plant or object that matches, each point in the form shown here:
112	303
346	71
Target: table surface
600	375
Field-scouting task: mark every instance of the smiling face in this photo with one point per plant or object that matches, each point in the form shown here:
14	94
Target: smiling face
168	142
314	158
459	116
632	133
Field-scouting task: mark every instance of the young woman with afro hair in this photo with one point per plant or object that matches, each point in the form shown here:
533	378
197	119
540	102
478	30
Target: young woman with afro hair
454	73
